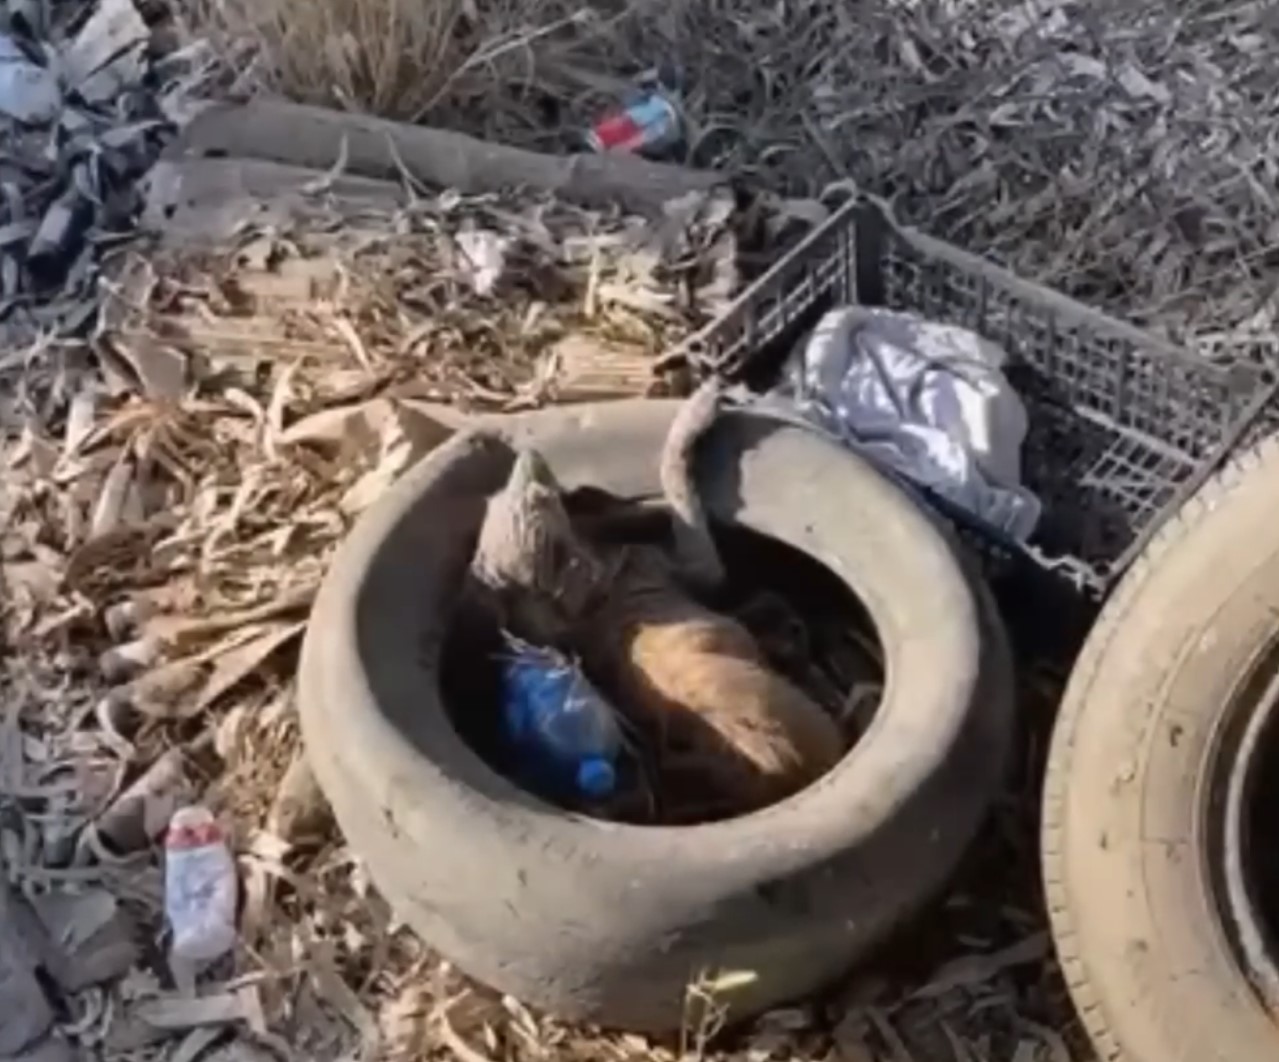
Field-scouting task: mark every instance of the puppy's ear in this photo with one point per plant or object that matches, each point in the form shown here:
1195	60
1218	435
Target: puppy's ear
531	469
696	555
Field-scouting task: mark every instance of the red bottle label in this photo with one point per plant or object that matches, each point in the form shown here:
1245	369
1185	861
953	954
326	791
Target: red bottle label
619	131
649	123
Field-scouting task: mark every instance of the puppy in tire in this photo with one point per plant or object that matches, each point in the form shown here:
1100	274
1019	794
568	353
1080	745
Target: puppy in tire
601	921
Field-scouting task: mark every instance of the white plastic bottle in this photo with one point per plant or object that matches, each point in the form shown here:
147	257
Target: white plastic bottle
200	887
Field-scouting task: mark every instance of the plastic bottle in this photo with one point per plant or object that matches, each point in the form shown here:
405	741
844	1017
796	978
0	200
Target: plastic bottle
200	887
647	120
565	736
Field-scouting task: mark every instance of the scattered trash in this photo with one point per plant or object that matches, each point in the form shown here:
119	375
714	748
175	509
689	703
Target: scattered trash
484	253
647	123
257	513
929	401
565	735
183	526
200	888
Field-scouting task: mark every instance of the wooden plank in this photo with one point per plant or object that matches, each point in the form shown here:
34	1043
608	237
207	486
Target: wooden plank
590	369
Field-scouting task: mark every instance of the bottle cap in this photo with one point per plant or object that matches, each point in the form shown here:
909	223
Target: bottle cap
596	777
193	827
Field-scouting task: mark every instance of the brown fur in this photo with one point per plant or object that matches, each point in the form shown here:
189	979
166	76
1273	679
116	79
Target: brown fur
730	734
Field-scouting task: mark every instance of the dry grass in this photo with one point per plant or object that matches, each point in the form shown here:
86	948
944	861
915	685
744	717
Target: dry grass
389	57
1126	155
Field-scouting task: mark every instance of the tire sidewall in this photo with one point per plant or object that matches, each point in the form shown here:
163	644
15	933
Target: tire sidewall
1135	897
601	921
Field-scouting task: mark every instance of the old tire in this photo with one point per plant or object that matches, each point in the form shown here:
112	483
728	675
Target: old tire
1132	811
611	923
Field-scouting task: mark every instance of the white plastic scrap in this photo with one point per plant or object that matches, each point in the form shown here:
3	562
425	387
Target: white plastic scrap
929	401
28	92
485	257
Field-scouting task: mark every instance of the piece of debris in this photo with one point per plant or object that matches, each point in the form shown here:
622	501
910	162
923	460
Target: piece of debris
138	817
28	92
26	1014
300	811
484	253
92	938
198	1019
172	1013
593	369
929	401
648	122
105	57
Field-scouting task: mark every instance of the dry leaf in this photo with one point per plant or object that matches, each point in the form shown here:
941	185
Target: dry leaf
138	817
94	938
181	633
300	809
233	665
160	368
164	691
181	1012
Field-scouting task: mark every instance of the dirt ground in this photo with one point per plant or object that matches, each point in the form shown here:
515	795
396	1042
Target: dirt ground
1124	155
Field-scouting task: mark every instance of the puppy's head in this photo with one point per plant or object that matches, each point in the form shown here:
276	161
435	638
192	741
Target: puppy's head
529	554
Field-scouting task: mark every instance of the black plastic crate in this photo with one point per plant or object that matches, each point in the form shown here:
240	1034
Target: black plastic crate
1123	426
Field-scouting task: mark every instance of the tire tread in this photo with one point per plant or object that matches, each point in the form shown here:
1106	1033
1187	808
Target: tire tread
1115	616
